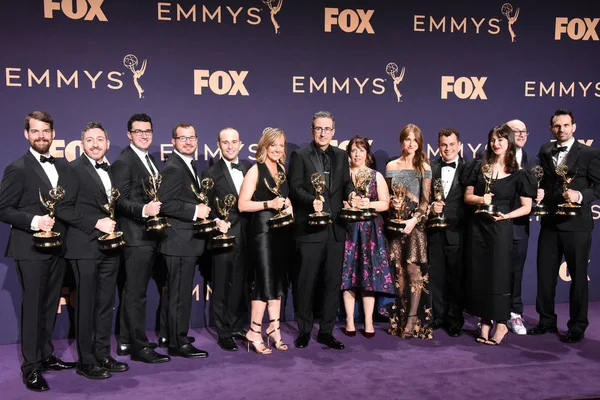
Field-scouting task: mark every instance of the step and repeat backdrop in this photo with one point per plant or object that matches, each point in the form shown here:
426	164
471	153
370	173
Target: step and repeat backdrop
376	65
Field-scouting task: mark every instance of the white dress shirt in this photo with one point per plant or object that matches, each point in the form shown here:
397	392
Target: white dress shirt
104	177
52	175
448	176
236	175
188	161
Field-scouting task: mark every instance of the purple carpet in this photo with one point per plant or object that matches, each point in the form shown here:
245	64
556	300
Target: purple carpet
526	367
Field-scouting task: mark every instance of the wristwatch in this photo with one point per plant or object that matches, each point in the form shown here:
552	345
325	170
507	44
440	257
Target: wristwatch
266	205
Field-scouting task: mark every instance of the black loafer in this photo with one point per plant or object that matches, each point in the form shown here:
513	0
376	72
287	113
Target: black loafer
572	337
228	344
541	329
35	382
112	365
329	341
93	372
454	331
56	364
163	342
123	349
149	356
302	340
187	351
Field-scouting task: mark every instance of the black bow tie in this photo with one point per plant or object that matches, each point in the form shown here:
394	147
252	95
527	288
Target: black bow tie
559	149
47	159
103	165
449	164
237	166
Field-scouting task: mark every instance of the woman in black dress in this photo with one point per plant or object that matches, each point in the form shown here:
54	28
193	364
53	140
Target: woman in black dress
270	247
490	237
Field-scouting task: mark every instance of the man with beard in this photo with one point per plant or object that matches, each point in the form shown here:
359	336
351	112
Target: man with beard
87	188
229	265
41	271
131	172
180	247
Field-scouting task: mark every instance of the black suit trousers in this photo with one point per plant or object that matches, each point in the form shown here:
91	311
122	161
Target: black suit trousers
519	255
180	282
575	246
41	282
228	285
318	260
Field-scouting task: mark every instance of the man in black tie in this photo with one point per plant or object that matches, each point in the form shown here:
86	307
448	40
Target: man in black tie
568	236
40	271
520	235
230	265
131	172
88	187
446	246
320	248
181	248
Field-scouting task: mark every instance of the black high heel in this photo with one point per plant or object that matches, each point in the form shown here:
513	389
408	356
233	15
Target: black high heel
249	342
493	342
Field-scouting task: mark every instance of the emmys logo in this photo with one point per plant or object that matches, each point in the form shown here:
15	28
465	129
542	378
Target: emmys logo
131	61
274	10
349	21
392	70
561	89
86	9
464	87
218	14
220	82
576	28
444	24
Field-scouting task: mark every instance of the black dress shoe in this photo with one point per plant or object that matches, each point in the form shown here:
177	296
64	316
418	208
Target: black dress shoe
454	331
35	381
112	365
541	329
227	343
93	371
123	349
302	340
149	356
239	335
329	341
56	364
187	351
572	337
437	324
163	342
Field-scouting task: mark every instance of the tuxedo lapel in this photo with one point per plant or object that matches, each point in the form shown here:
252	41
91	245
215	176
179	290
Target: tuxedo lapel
314	158
573	155
91	169
187	170
225	172
37	168
524	160
459	167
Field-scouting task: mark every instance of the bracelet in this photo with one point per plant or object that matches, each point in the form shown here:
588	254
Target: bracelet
266	205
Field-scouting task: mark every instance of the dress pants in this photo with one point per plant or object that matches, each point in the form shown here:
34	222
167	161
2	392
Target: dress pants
519	255
318	260
575	246
139	262
96	281
229	269
41	282
180	282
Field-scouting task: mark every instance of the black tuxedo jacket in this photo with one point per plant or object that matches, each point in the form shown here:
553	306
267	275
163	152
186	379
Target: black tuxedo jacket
84	192
20	202
179	205
303	163
223	186
583	163
454	210
129	175
521	224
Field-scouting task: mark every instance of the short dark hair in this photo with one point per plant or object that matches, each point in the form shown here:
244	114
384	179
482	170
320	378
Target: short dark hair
510	159
181	125
138	118
448	132
40	116
93	125
358	141
562	111
323	114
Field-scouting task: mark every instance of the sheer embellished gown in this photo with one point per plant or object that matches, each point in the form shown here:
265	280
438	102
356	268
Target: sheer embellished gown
410	313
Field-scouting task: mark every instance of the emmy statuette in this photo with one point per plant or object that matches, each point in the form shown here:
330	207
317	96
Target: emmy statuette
567	209
151	186
399	192
318	218
204	225
224	240
437	221
282	218
113	240
489	210
539	208
49	239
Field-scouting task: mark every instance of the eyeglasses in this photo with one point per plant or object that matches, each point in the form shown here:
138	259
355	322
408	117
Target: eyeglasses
139	132
521	133
318	129
183	139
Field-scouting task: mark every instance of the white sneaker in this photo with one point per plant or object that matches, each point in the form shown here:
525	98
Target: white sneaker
516	325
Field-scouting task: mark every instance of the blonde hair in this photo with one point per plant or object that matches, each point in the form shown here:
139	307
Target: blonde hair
268	137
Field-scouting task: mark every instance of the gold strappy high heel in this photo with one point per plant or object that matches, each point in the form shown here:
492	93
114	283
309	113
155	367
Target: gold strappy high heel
279	345
249	342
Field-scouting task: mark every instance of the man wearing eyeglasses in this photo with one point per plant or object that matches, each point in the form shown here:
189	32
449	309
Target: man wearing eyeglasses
520	235
181	248
320	248
130	172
